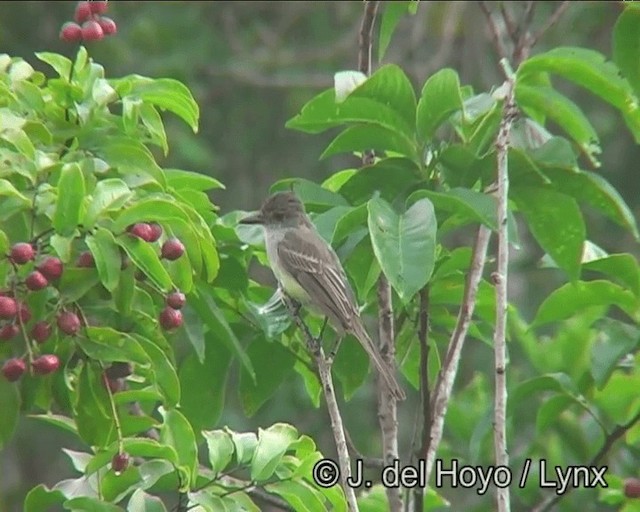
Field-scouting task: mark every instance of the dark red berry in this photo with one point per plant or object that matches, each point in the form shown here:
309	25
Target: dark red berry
156	231
176	300
8	307
24	313
632	487
71	32
22	252
83	12
85	260
172	249
92	31
109	26
114	385
45	364
120	462
170	318
9	331
13	369
98	6
51	268
36	281
68	322
41	331
142	230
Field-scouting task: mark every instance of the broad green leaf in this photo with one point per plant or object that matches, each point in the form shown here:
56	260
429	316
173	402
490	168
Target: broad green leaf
301	497
180	179
57	420
273	443
255	391
550	410
166	379
220	448
140	447
42	498
10	407
134	161
92	411
615	339
140	501
556	223
351	366
326	222
245	444
363	137
153	209
310	193
107	345
71	190
177	432
106	254
393	12
153	122
463	202
109	194
404	244
626	45
145	256
76	282
361	263
350	221
61	64
86	504
440	98
7	189
620	268
574	297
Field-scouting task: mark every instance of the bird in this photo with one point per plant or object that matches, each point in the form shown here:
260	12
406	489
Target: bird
309	271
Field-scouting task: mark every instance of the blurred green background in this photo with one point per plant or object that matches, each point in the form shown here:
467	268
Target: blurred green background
251	66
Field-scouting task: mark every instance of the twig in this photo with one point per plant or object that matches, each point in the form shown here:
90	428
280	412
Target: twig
444	384
551	21
368	462
495	30
500	280
366	30
509	22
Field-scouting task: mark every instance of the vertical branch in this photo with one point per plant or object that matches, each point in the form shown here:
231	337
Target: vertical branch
500	280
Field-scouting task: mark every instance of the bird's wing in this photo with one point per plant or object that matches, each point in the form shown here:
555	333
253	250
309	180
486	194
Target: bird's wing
325	282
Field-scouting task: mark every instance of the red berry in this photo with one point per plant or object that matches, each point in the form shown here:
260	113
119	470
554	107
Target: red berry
170	318
68	322
83	12
172	249
632	487
9	331
45	364
142	230
41	331
36	281
8	307
109	26
13	369
85	260
92	31
120	462
156	231
51	268
98	6
71	32
24	313
22	252
176	300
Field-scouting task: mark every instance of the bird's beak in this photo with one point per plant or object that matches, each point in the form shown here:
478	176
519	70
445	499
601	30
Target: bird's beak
255	218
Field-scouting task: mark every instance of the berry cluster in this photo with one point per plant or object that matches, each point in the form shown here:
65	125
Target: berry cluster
90	24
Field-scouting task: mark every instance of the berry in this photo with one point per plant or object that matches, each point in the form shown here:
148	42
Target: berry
24	313
71	32
83	12
172	249
13	369
68	323
92	31
8	307
51	268
632	487
120	462
45	364
22	252
41	331
170	318
9	331
36	281
85	260
108	26
156	231
114	385
176	300
98	6
142	230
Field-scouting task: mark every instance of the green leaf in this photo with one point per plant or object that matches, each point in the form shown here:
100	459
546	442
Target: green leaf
440	98
42	498
351	366
86	504
133	160
556	223
615	340
57	420
393	12
620	268
363	137
10	407
106	254
145	257
177	432
404	244
245	444
7	189
166	379
626	45
109	194
153	122
463	202
299	495
76	282
107	345
140	501
256	390
310	193
272	445
71	190
61	64
180	180
148	448
574	297
92	411
220	447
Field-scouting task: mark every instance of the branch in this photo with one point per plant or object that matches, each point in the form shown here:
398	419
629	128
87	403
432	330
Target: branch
551	21
500	280
367	462
495	30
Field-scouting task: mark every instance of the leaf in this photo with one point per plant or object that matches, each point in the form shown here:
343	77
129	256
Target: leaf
463	202
620	268
71	190
7	189
300	496
626	45
393	12
140	501
310	193
272	445
86	504
133	160
42	498
145	257
61	64
92	412
106	254
614	340
245	444
440	98
363	137
351	366
177	432
556	223
404	244
109	194
574	297
180	179
10	407
107	345
220	447
166	379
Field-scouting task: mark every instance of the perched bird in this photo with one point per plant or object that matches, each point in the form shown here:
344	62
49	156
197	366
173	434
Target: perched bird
309	271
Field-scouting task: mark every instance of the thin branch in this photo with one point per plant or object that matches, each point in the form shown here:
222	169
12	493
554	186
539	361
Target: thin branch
551	21
494	29
366	31
367	462
509	22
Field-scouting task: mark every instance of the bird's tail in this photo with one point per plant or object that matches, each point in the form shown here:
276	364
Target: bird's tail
384	370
